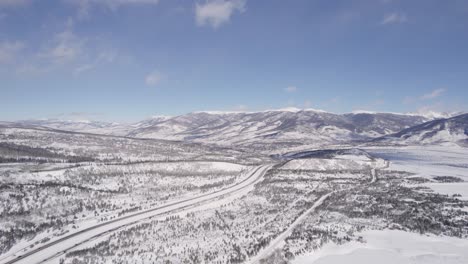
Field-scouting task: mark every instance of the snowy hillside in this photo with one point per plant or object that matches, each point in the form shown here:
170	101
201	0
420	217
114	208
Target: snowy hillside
276	126
286	127
87	198
339	160
86	126
441	131
48	145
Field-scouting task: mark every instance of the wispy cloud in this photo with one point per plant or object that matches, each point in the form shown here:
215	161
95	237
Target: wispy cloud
394	18
290	89
154	78
65	47
83	68
63	50
9	51
217	12
103	57
126	2
84	6
433	94
408	100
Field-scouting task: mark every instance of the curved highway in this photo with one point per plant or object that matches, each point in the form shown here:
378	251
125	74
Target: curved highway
55	248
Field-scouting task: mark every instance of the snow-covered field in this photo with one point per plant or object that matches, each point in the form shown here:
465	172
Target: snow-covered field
313	206
391	247
442	169
431	162
338	163
92	193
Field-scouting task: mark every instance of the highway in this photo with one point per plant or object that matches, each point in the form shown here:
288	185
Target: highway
59	246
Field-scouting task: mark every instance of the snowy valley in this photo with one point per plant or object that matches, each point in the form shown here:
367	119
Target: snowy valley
280	186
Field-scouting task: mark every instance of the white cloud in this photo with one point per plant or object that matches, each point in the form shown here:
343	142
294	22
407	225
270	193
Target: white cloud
127	2
103	57
9	51
217	12
434	94
85	5
66	51
153	78
394	18
107	56
60	51
408	100
83	68
111	3
290	89
66	47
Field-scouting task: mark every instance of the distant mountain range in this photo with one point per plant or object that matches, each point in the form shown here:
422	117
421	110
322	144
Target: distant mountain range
277	127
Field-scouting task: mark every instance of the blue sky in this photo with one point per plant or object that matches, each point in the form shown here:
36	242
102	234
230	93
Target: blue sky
125	60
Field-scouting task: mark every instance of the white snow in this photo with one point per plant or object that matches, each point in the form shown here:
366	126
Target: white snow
427	161
450	188
390	247
343	162
212	198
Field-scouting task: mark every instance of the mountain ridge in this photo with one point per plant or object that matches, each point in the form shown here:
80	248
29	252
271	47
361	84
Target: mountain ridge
277	129
438	131
291	125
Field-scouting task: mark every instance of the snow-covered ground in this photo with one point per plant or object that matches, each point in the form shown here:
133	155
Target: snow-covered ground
426	160
68	192
391	247
450	188
339	162
321	206
431	162
103	228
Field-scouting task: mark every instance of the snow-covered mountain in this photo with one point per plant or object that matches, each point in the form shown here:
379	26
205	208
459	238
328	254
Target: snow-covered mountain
439	131
69	125
285	126
289	126
85	126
